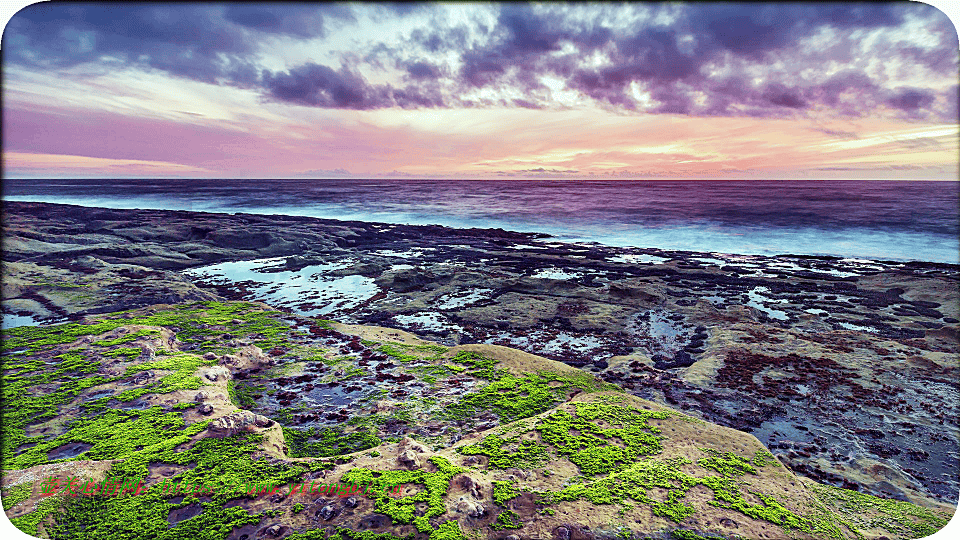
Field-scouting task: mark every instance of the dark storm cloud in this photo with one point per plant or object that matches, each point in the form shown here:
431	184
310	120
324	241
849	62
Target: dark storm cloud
443	39
679	57
204	42
317	85
753	30
779	95
423	70
298	20
745	30
185	41
672	62
830	91
911	99
320	86
939	60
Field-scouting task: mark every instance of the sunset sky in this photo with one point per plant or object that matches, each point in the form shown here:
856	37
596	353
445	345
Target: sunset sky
632	90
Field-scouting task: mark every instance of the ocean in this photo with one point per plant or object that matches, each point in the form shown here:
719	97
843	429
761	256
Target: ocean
881	220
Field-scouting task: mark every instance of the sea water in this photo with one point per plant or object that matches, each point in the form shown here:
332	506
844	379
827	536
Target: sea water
879	220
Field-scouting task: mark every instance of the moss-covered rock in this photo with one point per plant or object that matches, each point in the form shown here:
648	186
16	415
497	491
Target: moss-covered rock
149	407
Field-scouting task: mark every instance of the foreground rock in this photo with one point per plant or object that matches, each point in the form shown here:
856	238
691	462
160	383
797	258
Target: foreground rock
392	435
845	369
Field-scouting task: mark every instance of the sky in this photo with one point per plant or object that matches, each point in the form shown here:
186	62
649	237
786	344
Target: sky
474	90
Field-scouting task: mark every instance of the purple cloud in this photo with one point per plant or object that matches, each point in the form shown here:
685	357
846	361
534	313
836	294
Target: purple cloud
682	57
911	100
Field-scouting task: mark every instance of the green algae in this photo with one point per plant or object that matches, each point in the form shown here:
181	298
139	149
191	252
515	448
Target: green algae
44	363
112	434
859	511
504	491
129	352
16	494
226	465
397	351
613	446
29	523
726	463
192	322
327	442
242	395
449	530
23	405
132	336
401	509
634	482
763	458
522	453
34	339
183	366
594	449
478	365
343	533
579	438
684	534
140	437
508	519
513	397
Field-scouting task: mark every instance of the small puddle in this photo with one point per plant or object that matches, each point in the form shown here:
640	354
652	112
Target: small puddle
336	396
24	447
556	273
857	327
427	321
13	321
460	299
133	405
411	253
548	342
637	258
69	450
710	260
97	394
756	300
182	514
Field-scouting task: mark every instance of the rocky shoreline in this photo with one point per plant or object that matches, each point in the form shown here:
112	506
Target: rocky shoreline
846	369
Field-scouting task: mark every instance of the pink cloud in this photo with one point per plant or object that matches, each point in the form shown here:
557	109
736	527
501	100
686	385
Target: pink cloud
512	143
45	165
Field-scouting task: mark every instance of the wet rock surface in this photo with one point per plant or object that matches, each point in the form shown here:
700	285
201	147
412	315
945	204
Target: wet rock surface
847	369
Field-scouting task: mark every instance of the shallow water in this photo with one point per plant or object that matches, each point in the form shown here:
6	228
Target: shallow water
12	321
307	291
430	321
758	300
